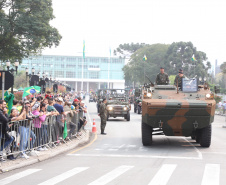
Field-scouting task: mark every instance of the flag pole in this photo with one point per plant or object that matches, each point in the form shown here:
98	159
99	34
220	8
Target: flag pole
109	69
83	60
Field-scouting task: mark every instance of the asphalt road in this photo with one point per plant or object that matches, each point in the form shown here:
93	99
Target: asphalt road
120	158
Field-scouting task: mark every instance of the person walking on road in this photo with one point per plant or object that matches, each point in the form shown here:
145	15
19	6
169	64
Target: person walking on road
103	115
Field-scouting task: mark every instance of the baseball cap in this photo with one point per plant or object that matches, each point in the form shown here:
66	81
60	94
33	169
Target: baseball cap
76	100
161	67
36	105
60	99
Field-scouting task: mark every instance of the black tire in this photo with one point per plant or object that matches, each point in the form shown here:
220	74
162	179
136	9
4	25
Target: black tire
146	132
197	136
128	116
205	136
138	109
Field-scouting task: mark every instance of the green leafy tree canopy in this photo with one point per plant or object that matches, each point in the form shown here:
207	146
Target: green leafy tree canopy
184	55
25	28
126	50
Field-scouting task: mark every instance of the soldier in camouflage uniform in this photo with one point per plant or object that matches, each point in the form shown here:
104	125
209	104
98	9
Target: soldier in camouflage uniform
162	78
103	115
179	78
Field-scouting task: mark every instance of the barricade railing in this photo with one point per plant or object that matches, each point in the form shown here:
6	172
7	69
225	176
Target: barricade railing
25	136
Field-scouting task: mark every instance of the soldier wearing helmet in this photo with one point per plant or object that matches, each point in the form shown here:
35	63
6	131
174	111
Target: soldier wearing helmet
162	78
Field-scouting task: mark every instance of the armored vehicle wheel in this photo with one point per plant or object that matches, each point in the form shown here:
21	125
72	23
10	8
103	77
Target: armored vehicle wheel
197	136
128	116
205	136
146	134
138	109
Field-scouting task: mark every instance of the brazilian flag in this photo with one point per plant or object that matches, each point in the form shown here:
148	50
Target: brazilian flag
31	90
144	58
9	100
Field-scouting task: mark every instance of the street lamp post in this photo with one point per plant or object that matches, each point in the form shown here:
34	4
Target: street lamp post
29	75
16	63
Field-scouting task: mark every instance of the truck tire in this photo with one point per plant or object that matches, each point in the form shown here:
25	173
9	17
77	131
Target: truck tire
138	109
146	132
128	116
205	136
197	136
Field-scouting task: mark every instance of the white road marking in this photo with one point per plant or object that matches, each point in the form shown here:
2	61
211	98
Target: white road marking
64	176
163	175
211	174
17	176
111	175
134	156
131	146
99	149
199	153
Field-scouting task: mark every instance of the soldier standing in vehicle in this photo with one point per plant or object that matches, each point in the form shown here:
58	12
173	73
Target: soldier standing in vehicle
103	115
178	78
162	78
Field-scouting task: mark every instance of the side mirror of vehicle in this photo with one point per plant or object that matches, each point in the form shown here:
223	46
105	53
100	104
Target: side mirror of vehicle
217	89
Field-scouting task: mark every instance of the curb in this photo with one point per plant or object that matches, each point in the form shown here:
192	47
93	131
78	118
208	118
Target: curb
51	153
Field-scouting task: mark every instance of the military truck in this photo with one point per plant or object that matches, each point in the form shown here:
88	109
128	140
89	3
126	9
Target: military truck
117	102
178	111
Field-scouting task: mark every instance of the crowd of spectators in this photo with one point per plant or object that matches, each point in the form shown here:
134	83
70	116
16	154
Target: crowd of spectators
36	112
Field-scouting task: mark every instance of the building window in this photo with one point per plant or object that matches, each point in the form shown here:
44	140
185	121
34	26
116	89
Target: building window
94	75
70	74
59	74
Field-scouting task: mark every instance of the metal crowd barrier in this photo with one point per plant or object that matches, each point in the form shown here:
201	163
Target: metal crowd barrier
24	136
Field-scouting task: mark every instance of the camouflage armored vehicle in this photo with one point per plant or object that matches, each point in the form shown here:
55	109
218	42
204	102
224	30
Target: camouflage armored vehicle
178	111
117	102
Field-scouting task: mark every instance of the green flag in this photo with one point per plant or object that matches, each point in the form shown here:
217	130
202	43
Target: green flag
31	90
84	51
65	130
9	101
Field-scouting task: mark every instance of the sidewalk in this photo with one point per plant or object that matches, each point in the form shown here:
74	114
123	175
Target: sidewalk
43	155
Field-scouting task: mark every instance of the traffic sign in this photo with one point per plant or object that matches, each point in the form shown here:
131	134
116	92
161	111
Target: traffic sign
9	80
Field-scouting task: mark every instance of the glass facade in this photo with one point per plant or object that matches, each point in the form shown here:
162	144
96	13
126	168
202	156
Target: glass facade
70	67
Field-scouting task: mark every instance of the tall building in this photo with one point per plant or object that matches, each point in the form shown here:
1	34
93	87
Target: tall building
97	72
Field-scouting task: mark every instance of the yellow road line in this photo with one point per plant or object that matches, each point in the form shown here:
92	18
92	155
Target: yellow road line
86	145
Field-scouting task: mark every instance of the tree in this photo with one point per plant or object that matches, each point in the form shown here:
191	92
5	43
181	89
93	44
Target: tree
25	28
135	69
126	50
185	55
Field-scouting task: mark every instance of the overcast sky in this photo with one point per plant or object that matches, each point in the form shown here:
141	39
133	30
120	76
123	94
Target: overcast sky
108	23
